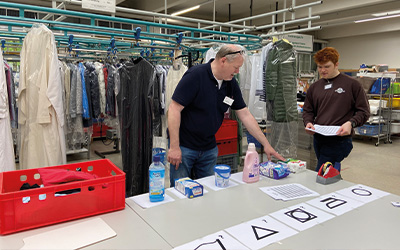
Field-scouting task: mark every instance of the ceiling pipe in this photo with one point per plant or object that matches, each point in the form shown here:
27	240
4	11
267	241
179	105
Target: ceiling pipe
149	13
290	9
251	12
288	22
282	23
48	16
291	31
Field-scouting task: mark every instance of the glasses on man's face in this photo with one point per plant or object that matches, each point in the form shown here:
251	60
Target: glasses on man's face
241	52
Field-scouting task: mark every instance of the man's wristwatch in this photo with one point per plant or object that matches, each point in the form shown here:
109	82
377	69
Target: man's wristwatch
353	124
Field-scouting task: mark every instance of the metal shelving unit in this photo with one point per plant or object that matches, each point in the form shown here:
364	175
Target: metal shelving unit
381	122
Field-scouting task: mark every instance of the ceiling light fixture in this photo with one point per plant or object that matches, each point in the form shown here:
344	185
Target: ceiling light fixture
185	10
376	18
394	12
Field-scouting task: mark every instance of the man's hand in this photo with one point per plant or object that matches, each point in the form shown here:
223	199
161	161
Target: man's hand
345	129
270	151
175	156
311	126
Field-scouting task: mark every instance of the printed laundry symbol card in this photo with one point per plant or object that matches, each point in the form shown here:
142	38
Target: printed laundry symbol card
362	193
335	203
217	241
302	216
260	232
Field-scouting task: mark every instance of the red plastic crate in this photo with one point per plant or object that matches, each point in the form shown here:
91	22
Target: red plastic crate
227	147
103	194
228	130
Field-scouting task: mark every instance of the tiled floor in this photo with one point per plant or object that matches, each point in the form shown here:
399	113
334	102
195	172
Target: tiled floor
378	167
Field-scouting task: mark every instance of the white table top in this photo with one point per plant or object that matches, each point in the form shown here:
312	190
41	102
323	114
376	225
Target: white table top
132	233
371	226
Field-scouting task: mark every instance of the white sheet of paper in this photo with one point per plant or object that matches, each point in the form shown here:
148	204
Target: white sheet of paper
143	200
213	242
260	232
288	191
210	183
302	216
335	203
238	177
179	194
325	130
71	237
362	193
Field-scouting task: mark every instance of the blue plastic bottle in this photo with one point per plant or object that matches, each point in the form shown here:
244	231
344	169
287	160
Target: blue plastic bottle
156	180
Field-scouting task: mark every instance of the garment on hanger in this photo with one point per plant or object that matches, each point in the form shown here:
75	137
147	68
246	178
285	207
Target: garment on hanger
75	135
110	90
11	94
85	102
102	86
94	94
135	106
173	78
280	81
7	160
281	105
256	107
40	106
157	96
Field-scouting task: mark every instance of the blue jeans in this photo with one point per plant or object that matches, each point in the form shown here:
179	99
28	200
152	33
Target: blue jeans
202	162
333	149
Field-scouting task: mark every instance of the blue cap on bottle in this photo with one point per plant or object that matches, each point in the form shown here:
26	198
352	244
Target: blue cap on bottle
156	158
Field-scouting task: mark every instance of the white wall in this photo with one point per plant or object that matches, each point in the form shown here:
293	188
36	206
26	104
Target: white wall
380	48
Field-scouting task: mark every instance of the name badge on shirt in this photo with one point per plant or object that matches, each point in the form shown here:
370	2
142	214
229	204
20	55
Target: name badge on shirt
228	101
328	86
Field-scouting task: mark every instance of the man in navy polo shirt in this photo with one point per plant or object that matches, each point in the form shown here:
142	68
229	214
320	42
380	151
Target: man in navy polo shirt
196	112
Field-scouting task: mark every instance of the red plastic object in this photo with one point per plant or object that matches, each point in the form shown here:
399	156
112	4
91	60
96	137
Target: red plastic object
26	209
228	130
99	130
227	147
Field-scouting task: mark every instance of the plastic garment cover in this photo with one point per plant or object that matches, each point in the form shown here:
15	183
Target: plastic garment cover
113	121
174	76
85	101
281	86
110	94
102	86
91	79
67	86
157	96
256	105
74	128
257	97
211	53
7	160
11	95
245	76
162	72
135	101
40	106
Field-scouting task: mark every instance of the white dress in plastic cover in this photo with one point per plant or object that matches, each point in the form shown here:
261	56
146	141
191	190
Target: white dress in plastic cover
7	160
40	103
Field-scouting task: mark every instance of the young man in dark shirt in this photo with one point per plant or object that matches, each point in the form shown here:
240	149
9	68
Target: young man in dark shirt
197	109
338	100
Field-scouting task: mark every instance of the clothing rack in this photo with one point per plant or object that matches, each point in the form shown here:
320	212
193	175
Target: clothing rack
126	37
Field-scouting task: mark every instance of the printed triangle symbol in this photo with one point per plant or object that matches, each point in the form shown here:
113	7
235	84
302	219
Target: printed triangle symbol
258	229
